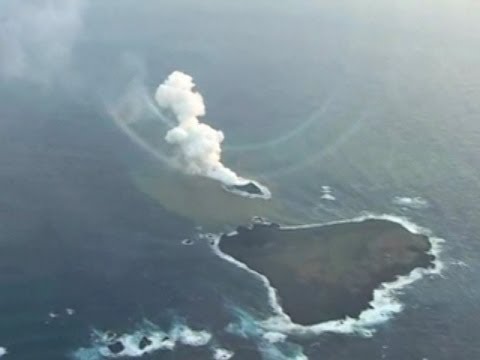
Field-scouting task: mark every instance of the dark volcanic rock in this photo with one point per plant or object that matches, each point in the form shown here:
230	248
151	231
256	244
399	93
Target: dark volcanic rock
144	342
116	348
249	188
328	272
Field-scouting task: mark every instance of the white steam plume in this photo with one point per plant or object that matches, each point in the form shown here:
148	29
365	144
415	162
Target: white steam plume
37	37
198	144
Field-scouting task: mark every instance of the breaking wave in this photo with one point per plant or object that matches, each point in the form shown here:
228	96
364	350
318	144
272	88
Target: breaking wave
410	202
222	354
148	338
272	346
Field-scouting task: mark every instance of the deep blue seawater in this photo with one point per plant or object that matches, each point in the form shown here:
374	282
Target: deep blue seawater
376	100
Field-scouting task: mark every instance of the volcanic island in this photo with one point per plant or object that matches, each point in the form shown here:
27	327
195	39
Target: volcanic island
328	272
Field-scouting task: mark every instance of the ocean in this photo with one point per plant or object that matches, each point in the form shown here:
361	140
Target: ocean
343	109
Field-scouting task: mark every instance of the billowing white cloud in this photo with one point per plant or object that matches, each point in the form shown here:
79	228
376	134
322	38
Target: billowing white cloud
37	36
198	144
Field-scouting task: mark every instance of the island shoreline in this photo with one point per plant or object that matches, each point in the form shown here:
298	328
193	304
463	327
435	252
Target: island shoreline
383	305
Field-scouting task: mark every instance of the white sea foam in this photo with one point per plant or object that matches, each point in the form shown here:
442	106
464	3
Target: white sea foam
271	346
52	315
3	351
188	242
383	306
327	193
180	333
131	348
187	336
222	354
328	197
274	337
70	311
272	352
459	263
410	202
